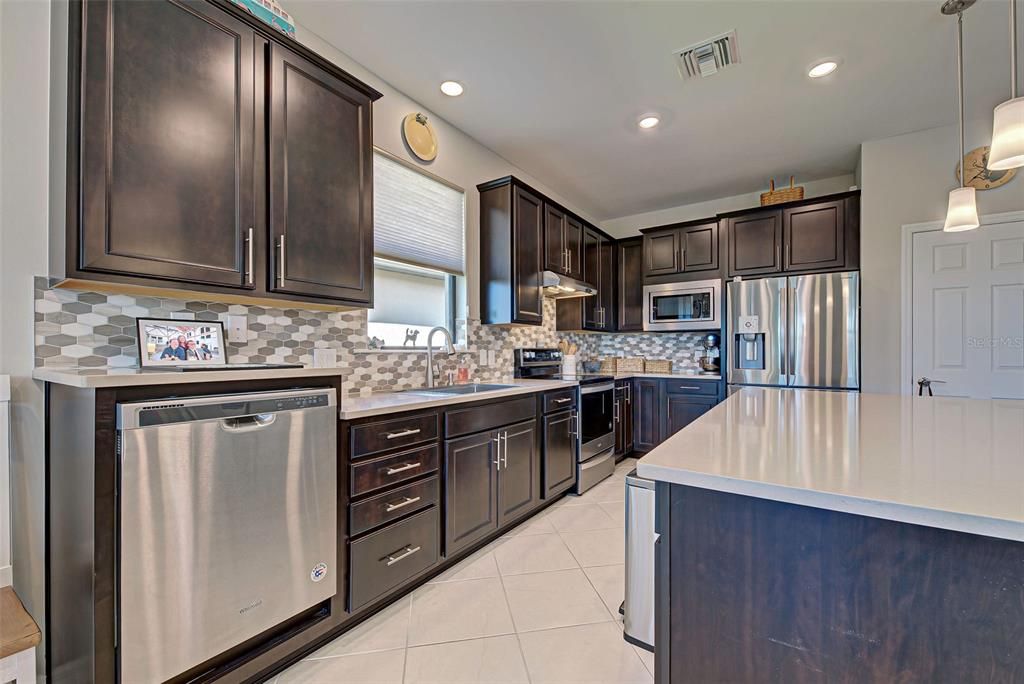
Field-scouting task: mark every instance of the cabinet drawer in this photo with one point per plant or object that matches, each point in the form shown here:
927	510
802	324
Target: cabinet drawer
386	471
693	387
466	421
559	400
391	505
385	559
372	438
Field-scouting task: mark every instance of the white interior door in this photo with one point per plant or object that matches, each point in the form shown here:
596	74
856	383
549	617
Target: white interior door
968	311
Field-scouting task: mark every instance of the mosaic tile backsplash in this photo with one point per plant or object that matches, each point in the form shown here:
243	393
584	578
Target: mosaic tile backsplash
92	329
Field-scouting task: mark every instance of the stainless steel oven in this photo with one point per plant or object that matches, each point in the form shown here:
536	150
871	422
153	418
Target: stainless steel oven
695	305
597	434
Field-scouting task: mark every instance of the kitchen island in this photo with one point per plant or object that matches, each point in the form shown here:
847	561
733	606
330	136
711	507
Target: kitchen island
827	536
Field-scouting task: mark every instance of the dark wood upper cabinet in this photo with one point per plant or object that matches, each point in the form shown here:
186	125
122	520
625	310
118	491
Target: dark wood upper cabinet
630	284
321	190
559	452
681	249
167	136
755	243
574	245
815	236
556	254
519	483
512	253
180	117
471	489
597	312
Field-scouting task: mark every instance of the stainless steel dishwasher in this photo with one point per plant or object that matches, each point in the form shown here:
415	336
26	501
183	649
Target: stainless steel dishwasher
228	522
638	608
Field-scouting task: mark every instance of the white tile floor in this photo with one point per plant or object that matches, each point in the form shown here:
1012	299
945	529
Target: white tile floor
541	604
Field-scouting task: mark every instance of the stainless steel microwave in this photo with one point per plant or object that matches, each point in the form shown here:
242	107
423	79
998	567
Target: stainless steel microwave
695	305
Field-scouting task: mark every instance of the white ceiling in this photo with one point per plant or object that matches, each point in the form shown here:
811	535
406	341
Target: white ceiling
556	87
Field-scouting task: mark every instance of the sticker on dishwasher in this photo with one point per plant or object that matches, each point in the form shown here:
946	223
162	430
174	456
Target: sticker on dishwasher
318	572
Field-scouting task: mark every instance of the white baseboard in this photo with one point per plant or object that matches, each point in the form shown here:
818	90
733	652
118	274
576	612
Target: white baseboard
6	576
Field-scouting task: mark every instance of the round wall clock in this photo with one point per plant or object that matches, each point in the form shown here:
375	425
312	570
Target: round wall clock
979	176
419	136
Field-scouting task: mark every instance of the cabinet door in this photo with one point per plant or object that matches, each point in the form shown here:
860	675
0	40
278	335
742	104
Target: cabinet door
646	414
555	254
605	285
321	182
627	421
630	285
698	249
527	256
592	274
661	253
755	243
519	473
620	420
684	409
471	489
815	236
574	245
559	452
168	120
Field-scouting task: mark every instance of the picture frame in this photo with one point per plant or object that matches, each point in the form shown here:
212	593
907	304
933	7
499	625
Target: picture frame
160	343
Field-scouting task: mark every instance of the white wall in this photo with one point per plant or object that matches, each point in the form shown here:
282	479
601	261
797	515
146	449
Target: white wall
25	29
906	179
631	225
461	160
5	482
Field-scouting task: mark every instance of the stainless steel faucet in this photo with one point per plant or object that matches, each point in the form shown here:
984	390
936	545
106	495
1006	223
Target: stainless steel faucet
449	348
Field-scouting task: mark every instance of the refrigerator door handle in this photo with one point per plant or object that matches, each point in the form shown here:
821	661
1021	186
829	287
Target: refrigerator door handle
791	335
784	337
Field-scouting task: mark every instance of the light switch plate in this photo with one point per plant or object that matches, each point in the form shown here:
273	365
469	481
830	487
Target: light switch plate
492	357
483	358
183	315
238	328
325	358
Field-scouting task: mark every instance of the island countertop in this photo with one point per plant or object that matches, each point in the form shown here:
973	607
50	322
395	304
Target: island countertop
942	462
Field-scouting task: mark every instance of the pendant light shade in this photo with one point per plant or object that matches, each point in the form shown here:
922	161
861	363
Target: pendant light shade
1007	151
962	213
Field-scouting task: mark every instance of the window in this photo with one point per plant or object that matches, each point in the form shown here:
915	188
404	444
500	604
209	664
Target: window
419	243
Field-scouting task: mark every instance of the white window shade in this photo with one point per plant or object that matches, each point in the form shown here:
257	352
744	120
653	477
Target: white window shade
417	219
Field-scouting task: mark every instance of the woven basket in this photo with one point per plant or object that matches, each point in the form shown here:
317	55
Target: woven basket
790	194
658	366
630	364
608	364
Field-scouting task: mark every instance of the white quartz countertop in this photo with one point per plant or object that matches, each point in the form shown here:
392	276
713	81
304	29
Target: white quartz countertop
942	462
712	377
129	377
393	402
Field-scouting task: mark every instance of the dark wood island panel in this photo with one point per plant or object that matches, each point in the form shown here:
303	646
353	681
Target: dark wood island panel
753	590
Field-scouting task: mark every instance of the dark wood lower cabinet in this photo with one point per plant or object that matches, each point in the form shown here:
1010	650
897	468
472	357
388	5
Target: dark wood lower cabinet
559	452
519	471
683	409
800	594
471	489
623	418
646	414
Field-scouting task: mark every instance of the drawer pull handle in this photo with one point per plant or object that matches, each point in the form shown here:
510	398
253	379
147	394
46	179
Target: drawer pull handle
689	387
563	400
403	433
402	468
406	552
401	504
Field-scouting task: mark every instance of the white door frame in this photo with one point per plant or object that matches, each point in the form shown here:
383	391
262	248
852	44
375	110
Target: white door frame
907	288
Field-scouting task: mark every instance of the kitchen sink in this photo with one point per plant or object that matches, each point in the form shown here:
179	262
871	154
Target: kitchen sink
451	390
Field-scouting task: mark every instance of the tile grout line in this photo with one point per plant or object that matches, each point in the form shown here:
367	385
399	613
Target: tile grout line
515	629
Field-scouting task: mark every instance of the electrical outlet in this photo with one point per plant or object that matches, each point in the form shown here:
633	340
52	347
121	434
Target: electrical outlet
483	358
325	358
183	315
238	328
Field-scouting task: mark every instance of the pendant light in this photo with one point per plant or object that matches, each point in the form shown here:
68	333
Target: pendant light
1007	151
962	213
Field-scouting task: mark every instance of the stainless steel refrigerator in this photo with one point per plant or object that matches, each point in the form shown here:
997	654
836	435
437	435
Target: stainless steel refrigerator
795	331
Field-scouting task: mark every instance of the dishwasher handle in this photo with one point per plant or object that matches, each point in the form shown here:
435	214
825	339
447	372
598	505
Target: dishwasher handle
248	423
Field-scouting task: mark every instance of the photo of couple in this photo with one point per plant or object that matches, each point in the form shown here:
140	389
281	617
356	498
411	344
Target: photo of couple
174	342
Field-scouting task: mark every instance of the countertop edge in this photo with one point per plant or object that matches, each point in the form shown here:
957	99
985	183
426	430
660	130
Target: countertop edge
419	402
843	503
71	378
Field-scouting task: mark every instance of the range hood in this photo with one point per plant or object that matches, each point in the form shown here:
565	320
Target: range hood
563	287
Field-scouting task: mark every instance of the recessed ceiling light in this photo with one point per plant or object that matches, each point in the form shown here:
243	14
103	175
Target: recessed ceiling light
649	121
452	88
822	69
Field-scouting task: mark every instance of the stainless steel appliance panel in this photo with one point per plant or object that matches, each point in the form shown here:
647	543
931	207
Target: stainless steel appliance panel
824	330
691	305
638	607
762	342
597	418
228	510
594	470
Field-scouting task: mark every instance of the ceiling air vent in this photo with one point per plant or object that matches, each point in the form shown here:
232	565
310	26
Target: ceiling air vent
708	57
